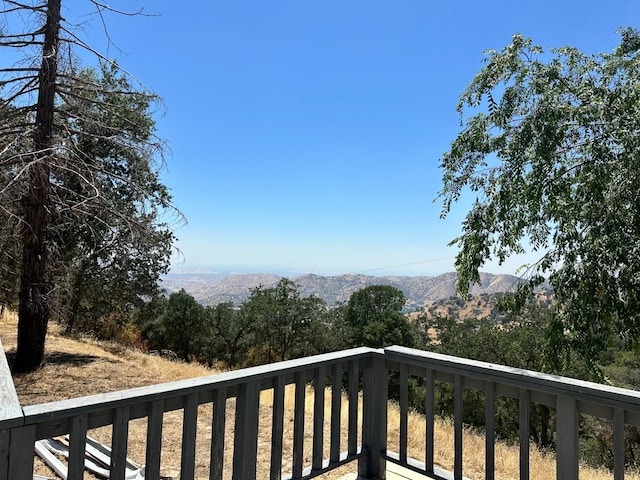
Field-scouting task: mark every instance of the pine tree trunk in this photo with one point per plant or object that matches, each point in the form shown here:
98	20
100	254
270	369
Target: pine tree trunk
33	311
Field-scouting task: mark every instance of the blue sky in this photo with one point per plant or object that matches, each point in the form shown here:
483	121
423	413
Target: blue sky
306	135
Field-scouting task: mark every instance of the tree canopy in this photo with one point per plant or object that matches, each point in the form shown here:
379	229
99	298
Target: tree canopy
374	318
285	324
79	187
550	150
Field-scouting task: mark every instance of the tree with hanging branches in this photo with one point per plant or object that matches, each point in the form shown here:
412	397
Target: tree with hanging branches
549	151
79	168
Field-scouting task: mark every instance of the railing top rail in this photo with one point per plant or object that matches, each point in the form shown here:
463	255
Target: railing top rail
105	401
554	384
10	410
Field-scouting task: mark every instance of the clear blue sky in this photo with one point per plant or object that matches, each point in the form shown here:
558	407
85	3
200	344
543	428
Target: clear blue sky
306	134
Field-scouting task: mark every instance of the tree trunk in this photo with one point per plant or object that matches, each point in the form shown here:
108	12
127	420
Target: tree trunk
33	311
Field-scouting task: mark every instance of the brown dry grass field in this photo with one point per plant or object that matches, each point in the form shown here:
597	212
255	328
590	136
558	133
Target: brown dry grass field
77	367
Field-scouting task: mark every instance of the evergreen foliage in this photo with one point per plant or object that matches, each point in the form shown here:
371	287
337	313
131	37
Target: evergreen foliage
81	198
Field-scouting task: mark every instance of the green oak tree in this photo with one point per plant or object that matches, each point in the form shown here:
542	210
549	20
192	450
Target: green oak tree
284	324
549	153
374	318
183	325
227	329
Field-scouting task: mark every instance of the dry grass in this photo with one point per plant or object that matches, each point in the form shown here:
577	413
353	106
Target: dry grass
542	465
72	362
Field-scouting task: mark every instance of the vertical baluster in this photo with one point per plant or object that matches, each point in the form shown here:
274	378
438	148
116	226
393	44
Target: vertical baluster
618	444
298	425
489	418
217	437
154	439
457	427
404	411
119	443
189	431
429	392
77	446
21	450
245	439
318	417
524	415
336	412
374	422
354	380
277	428
567	438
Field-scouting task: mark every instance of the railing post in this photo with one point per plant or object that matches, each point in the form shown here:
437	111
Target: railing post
566	438
374	422
16	440
21	448
5	443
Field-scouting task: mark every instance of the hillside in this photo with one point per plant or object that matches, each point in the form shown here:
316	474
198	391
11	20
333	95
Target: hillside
477	306
420	291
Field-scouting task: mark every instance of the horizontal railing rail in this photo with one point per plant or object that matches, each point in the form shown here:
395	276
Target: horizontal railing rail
569	397
76	416
361	374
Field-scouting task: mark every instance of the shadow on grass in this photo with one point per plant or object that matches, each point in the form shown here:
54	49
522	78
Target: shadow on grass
60	358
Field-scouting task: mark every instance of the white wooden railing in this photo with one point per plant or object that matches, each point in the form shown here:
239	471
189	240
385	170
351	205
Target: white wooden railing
362	369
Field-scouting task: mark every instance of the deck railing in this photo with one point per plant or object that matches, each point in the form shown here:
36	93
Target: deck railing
357	373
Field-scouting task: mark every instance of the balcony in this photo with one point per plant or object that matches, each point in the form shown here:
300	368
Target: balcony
352	432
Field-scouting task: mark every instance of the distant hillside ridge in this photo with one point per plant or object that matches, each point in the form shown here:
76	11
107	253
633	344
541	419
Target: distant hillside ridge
420	291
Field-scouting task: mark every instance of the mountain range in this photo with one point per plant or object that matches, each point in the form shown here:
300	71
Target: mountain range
420	291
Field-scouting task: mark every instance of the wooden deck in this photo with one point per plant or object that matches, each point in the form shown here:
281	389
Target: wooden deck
394	472
397	472
359	444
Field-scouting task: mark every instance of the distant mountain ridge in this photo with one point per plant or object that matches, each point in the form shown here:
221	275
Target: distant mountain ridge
212	289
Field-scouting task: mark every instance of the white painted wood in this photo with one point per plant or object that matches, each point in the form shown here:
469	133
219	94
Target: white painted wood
43	450
103	453
10	410
96	459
